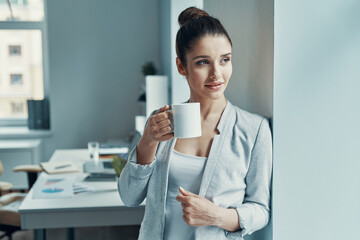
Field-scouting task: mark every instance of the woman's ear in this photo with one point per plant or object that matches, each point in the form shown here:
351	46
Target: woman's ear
180	67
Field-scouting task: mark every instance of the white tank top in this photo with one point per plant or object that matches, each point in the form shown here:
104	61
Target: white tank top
185	171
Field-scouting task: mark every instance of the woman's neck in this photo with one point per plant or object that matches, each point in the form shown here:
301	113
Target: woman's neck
210	107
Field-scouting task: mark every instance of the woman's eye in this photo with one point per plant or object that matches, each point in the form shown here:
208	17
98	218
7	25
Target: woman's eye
225	60
202	62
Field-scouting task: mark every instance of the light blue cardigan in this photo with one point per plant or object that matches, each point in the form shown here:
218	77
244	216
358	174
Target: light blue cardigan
237	175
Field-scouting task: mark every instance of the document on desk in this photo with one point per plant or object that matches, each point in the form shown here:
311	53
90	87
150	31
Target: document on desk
80	187
59	167
53	187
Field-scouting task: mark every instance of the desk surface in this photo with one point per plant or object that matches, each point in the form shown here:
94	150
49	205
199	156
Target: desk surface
100	208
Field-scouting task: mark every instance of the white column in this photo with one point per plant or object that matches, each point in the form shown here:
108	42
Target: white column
169	12
316	182
156	93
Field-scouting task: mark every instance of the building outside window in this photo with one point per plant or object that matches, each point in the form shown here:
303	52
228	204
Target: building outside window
23	33
14	50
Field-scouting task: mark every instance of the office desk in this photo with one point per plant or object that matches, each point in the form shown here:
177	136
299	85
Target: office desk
100	208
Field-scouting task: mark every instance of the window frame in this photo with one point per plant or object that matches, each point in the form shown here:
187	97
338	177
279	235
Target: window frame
31	25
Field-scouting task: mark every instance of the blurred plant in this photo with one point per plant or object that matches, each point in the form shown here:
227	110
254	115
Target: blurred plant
149	69
118	164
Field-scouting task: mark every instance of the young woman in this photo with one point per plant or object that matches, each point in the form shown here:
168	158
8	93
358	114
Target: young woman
216	186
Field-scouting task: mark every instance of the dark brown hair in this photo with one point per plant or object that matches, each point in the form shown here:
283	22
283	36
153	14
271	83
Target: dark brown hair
195	24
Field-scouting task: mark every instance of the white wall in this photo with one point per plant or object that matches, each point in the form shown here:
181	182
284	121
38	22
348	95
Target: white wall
96	50
316	183
250	25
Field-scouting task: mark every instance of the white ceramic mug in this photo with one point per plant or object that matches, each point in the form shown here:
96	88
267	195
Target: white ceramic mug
186	120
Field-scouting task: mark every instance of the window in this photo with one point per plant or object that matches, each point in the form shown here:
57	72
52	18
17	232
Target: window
14	50
16	79
17	108
22	33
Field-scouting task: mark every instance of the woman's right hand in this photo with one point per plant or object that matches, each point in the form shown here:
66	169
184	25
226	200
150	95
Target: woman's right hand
158	129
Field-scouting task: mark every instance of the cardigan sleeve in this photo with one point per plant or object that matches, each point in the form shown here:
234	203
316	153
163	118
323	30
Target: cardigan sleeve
254	212
134	178
133	181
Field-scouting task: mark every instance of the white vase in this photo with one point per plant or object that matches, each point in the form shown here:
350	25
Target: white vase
156	92
140	124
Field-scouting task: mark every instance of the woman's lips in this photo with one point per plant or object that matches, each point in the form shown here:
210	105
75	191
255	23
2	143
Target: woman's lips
214	86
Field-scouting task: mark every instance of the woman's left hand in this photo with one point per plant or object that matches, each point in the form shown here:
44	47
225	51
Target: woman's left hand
198	211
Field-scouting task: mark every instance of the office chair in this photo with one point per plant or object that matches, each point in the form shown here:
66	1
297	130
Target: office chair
10	202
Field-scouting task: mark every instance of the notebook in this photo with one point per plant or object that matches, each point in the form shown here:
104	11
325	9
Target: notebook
59	167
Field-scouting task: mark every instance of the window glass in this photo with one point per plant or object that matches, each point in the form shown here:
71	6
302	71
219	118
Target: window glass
18	108
16	79
21	10
14	50
22	78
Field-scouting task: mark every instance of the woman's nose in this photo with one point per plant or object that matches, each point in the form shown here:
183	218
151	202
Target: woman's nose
215	74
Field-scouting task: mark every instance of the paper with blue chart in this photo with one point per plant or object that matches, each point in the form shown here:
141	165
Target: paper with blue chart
53	187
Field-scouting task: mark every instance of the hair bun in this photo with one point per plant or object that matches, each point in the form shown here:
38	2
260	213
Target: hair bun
189	14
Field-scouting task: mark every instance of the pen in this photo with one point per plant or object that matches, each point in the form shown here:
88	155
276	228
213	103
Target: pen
63	166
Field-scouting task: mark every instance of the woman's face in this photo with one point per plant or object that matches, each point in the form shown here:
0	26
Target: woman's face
208	67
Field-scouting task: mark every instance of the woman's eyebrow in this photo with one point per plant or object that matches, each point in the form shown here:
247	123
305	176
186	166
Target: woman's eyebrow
226	54
201	56
206	56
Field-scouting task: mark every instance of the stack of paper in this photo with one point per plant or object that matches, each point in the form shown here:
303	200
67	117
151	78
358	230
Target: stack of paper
112	150
79	187
59	187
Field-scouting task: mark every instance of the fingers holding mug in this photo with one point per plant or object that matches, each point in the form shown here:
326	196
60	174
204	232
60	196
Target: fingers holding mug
162	118
160	125
164	124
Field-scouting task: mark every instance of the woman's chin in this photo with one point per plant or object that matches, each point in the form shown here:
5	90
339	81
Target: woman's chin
216	96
